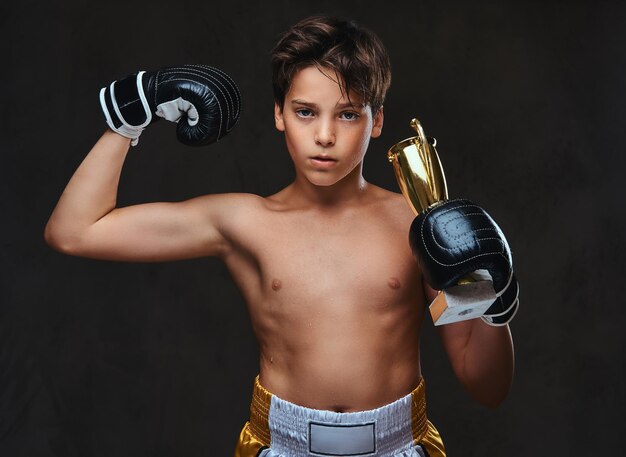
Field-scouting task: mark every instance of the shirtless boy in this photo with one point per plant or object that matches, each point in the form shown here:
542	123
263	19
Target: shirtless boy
334	292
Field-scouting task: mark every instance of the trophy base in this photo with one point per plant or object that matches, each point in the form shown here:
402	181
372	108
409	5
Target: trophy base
463	302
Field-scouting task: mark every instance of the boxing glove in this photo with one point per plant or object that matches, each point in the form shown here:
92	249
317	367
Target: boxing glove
457	237
203	100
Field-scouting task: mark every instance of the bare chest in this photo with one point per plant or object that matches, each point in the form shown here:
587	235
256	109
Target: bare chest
352	265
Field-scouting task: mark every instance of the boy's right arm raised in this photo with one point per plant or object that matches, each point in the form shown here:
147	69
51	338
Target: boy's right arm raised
87	223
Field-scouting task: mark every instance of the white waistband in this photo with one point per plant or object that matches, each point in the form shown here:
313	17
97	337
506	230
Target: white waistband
297	431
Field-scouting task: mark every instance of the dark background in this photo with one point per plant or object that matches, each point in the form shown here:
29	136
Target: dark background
111	359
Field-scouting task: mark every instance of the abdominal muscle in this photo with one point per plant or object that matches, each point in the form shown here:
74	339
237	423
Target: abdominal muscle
336	353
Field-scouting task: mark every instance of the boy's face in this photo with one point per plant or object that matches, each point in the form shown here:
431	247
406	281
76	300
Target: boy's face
326	136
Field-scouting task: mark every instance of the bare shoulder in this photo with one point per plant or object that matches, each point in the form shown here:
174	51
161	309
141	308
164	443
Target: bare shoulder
230	203
234	214
392	206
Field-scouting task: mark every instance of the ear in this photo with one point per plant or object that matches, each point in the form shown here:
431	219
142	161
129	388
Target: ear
278	117
377	128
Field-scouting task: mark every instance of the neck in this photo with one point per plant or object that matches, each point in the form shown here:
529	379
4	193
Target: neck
344	193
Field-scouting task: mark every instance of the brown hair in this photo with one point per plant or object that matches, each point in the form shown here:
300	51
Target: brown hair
355	54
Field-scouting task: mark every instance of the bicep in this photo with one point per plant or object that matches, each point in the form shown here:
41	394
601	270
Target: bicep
158	231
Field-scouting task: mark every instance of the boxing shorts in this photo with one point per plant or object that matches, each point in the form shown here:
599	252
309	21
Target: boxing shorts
278	428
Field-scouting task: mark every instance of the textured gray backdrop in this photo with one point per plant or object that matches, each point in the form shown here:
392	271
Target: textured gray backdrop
109	359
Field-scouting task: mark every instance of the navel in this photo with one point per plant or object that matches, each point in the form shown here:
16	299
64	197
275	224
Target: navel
338	408
276	284
394	283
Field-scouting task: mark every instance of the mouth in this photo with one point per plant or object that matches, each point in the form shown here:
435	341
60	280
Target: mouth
323	162
323	159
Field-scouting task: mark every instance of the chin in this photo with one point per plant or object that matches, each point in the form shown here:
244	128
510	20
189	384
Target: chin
323	181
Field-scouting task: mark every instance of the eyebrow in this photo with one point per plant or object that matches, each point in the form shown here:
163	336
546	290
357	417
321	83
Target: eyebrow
339	106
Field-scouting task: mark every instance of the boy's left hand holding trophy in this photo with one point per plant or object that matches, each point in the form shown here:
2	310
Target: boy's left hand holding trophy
461	250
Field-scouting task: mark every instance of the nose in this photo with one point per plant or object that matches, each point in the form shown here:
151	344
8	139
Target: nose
325	134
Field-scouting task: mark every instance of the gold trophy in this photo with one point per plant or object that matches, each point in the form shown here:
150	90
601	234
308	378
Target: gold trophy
421	179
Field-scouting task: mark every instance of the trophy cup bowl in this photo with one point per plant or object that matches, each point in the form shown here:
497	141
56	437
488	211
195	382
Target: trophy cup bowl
418	170
422	181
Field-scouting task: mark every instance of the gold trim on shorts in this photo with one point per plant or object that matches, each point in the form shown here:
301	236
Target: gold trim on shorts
260	412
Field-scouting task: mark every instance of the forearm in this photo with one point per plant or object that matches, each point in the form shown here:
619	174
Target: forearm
91	192
485	364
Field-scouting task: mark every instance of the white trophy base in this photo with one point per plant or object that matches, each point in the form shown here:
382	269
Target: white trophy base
465	301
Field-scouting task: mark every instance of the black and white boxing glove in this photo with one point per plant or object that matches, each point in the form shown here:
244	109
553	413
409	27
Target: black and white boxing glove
203	100
457	238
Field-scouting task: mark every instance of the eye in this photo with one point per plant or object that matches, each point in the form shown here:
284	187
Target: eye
303	112
349	115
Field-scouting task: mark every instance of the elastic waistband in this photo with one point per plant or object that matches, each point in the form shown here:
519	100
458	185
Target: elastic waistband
291	429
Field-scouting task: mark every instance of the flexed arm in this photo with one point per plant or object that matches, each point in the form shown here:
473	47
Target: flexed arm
86	221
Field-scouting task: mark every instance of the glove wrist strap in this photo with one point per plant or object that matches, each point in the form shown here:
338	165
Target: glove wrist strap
131	113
